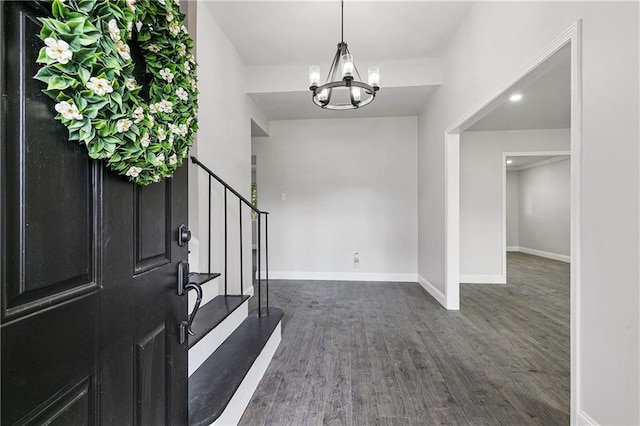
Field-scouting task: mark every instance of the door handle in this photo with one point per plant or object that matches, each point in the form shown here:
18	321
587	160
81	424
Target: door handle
185	326
184	235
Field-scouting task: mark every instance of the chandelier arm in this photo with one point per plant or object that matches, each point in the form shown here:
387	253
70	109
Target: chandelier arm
334	67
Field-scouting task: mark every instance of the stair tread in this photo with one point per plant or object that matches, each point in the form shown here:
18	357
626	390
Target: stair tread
212	314
202	277
212	386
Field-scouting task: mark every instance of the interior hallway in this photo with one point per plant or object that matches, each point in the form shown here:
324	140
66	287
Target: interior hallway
389	354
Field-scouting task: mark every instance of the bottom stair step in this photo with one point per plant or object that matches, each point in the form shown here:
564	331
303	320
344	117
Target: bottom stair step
212	386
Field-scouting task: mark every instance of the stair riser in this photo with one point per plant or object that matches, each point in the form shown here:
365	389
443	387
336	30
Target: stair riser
232	414
205	347
209	291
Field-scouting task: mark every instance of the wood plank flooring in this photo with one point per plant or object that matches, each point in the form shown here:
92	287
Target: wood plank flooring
389	354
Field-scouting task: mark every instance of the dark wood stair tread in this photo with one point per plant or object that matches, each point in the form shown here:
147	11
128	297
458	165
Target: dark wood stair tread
202	277
212	314
214	383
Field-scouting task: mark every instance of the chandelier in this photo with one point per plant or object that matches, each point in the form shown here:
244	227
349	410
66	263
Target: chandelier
343	90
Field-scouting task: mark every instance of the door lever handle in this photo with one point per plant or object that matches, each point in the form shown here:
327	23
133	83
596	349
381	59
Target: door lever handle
185	326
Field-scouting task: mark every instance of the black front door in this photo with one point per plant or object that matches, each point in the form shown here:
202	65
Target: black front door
90	312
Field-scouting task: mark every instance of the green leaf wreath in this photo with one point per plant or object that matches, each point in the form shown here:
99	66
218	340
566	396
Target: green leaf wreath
89	73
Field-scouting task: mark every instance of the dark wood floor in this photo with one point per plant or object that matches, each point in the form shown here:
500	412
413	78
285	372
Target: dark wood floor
389	354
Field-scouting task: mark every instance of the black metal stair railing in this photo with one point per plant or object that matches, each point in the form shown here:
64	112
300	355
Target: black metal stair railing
260	215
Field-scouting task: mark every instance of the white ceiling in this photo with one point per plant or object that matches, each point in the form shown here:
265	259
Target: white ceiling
307	32
285	33
389	102
545	103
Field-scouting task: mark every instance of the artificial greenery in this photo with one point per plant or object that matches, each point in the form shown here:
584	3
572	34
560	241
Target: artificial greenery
89	73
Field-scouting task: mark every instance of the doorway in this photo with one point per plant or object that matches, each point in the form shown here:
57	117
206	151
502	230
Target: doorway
571	40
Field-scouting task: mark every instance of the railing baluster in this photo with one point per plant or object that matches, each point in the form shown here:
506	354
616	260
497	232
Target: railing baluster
241	268
259	255
225	242
266	241
209	256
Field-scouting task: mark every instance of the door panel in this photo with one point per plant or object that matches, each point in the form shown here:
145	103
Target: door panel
89	308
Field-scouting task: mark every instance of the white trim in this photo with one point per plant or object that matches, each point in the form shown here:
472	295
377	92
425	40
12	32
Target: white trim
572	36
504	198
194	253
240	399
585	420
540	163
340	276
432	290
548	255
452	222
513	248
483	279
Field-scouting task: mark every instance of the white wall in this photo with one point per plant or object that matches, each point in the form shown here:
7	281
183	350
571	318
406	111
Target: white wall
494	41
545	208
481	231
224	145
351	186
513	208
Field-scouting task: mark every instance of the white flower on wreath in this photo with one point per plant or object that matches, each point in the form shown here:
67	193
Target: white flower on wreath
182	94
123	125
169	16
131	4
114	31
138	115
183	129
166	106
123	50
154	48
176	2
174	28
68	111
130	28
184	29
161	134
160	160
152	121
144	142
189	121
166	74
58	50
173	159
100	86
182	49
187	67
171	138
153	108
131	83
184	153
156	178
192	58
133	171
162	2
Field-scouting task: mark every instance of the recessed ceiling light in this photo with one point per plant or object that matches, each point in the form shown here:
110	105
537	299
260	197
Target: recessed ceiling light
515	97
509	161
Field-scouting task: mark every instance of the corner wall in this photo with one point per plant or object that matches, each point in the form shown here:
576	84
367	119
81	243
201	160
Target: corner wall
224	145
350	185
494	41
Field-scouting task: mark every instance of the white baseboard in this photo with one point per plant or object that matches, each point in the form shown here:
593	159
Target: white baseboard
483	279
199	352
432	290
548	255
513	248
340	276
235	409
585	420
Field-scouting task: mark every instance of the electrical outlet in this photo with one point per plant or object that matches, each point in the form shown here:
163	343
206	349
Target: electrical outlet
356	260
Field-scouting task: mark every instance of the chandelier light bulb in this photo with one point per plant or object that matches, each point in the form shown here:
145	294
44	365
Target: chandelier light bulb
374	76
355	92
347	65
314	75
323	95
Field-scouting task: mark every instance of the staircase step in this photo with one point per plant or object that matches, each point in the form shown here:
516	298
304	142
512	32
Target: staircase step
202	277
212	386
212	314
